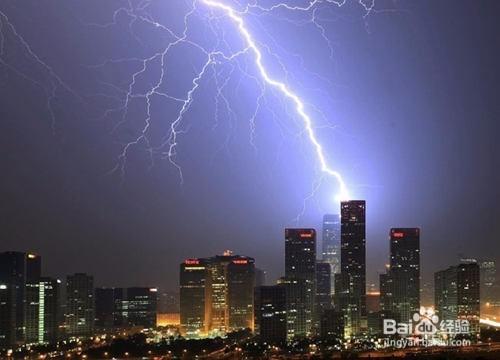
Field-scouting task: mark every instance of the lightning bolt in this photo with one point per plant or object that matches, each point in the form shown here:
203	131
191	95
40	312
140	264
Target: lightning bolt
221	52
285	90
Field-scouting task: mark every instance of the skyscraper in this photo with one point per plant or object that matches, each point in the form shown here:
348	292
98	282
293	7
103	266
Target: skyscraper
104	309
488	280
16	269
300	278
400	287
193	282
136	307
7	315
457	295
352	278
223	287
331	244
42	311
80	305
270	314
240	292
323	290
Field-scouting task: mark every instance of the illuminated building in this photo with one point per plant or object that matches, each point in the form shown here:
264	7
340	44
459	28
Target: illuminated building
323	290
300	278
240	287
216	295
331	244
230	283
270	314
168	319
7	315
42	311
488	280
80	305
16	269
122	308
193	278
456	292
350	292
136	307
400	287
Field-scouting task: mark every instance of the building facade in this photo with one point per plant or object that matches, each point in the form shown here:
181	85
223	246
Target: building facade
323	290
216	295
350	291
43	311
300	278
270	314
193	282
400	286
331	244
80	312
457	295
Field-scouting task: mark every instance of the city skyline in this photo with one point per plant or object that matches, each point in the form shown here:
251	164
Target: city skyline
249	178
391	123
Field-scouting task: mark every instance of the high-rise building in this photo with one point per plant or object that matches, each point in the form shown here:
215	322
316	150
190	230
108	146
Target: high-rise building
331	244
323	290
16	269
332	325
223	285
42	311
270	314
240	287
300	277
400	287
193	289
122	308
260	277
7	315
33	267
104	309
351	297
457	295
168	303
80	305
488	280
138	307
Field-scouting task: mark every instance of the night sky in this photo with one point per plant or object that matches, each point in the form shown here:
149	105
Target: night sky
405	101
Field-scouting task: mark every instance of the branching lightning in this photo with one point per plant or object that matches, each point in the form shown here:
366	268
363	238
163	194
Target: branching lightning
283	88
214	56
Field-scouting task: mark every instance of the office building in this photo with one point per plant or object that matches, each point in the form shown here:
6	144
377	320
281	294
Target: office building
457	295
16	269
240	292
300	277
323	290
270	314
105	309
400	286
332	326
488	281
42	311
331	244
136	307
7	315
193	288
80	305
351	287
216	295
